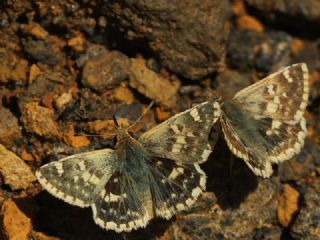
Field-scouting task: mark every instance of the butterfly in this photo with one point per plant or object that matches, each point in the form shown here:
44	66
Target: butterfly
157	174
264	123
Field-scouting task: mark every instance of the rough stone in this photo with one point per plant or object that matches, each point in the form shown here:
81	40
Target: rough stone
106	71
9	127
147	82
12	67
15	172
307	224
295	14
16	224
39	120
189	37
265	52
44	51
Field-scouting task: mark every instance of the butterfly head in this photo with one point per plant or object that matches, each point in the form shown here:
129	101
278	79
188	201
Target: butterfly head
216	97
122	132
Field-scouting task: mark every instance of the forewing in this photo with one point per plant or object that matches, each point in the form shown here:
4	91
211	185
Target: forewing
184	137
78	178
123	204
174	186
281	96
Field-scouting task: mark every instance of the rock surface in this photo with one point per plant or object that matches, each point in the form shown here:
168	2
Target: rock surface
187	36
15	172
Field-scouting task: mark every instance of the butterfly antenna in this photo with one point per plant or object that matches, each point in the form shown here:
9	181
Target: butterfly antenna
142	115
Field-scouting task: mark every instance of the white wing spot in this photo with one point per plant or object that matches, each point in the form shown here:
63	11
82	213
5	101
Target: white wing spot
271	89
286	73
275	124
59	167
175	129
272	107
86	176
276	100
181	140
196	192
176	172
82	166
195	115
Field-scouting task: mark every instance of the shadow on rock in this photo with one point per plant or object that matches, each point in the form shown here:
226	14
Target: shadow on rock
229	178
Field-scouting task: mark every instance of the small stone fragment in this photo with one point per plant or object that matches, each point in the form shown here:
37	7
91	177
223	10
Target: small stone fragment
124	95
16	224
161	115
15	172
249	22
77	43
39	120
105	127
63	100
35	30
9	127
288	205
26	156
48	51
12	67
153	86
105	71
34	73
75	141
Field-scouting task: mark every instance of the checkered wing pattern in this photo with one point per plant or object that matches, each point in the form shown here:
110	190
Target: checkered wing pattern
264	122
184	137
77	178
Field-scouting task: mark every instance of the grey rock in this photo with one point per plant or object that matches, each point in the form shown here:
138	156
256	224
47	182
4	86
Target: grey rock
189	37
106	71
265	52
307	224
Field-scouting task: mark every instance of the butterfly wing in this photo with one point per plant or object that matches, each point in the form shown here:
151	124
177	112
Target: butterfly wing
78	178
281	96
270	126
124	203
174	186
184	137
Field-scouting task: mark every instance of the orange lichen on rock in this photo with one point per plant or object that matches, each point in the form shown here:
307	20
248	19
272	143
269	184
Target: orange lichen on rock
288	205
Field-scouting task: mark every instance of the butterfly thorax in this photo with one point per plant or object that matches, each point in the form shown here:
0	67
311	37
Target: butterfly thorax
131	154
